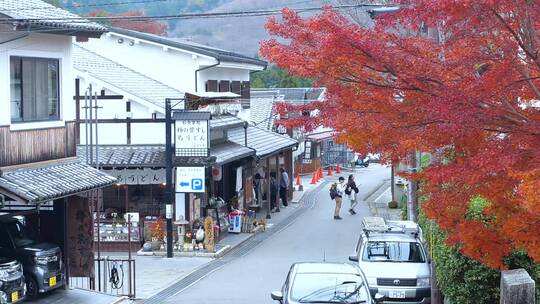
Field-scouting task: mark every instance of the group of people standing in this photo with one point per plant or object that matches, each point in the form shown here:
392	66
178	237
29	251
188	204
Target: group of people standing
341	189
283	188
276	189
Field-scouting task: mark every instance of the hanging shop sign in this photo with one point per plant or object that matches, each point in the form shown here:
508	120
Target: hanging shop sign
190	179
217	173
192	135
146	176
307	150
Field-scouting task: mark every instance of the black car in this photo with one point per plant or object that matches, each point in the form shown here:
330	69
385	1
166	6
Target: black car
12	287
42	262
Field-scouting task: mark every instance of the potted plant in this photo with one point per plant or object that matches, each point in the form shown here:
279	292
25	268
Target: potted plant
392	204
157	233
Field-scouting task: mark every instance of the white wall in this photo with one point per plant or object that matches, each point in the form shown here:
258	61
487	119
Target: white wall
174	68
170	66
217	73
38	45
116	133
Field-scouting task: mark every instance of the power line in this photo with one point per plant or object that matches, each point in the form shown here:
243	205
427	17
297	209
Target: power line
52	7
247	13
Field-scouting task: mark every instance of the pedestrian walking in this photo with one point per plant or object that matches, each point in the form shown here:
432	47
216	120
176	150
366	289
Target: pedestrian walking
274	188
352	191
339	193
283	186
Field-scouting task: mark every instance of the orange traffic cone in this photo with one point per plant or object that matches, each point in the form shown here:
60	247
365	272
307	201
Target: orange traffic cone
320	174
298	184
330	171
314	177
338	169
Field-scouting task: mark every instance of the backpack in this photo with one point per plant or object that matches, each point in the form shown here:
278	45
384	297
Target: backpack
348	190
333	192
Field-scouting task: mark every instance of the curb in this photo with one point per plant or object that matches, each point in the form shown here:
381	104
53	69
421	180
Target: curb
191	254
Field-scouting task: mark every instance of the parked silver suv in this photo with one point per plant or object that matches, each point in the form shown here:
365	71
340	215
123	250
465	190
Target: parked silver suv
394	259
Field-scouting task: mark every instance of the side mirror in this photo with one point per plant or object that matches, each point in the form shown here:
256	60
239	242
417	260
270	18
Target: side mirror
277	296
353	258
379	298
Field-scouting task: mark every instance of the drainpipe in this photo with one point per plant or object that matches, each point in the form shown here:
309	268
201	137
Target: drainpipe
202	69
245	133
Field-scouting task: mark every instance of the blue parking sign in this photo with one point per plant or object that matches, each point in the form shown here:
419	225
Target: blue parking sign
197	184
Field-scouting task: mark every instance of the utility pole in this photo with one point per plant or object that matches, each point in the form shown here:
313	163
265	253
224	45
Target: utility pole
393	182
412	204
168	168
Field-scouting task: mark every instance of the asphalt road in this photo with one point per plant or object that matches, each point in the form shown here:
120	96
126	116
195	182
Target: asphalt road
314	236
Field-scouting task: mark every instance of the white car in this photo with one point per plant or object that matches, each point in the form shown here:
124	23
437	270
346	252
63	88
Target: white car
324	282
393	257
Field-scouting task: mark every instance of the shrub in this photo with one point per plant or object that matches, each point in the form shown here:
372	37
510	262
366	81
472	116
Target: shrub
465	281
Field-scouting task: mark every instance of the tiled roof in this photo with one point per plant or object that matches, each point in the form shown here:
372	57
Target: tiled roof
189	46
41	15
263	141
262	112
292	95
136	156
225	122
46	182
128	155
122	77
320	136
191	115
229	151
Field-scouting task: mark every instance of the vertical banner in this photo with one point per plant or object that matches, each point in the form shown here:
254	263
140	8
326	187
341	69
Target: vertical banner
80	234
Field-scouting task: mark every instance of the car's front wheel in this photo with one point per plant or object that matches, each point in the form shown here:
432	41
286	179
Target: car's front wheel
32	288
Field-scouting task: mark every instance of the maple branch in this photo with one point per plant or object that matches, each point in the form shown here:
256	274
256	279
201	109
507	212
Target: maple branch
534	57
529	82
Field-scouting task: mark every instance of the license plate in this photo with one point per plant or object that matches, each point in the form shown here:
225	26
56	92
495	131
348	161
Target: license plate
52	281
396	294
14	297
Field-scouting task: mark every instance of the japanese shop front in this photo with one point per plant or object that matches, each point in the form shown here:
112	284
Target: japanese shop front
140	174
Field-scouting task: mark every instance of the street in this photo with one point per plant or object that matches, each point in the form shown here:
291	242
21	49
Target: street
313	236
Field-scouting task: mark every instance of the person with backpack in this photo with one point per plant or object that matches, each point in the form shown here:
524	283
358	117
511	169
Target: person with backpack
352	190
337	190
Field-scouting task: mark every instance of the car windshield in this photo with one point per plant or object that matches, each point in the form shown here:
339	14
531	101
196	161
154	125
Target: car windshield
390	251
328	288
21	234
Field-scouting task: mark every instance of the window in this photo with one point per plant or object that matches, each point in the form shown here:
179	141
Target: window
34	89
21	235
390	251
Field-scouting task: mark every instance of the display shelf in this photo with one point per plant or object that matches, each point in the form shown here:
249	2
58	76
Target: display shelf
114	231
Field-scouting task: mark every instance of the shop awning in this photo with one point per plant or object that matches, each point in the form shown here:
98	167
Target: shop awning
264	142
41	182
229	151
129	156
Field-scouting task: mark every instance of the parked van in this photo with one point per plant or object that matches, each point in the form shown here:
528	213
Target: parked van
12	285
41	262
393	257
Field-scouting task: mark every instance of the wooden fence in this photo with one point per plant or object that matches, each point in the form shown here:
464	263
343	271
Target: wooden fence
28	146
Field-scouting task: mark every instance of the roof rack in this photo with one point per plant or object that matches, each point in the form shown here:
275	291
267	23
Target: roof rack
374	224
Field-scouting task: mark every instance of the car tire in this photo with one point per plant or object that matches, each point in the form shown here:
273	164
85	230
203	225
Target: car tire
32	288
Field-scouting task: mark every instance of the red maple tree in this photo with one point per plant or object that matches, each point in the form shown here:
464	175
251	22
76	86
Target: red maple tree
466	92
146	26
